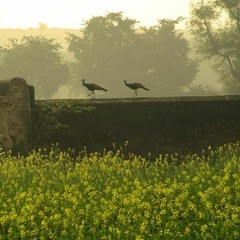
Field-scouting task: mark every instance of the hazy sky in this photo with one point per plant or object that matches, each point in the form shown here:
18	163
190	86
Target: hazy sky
72	13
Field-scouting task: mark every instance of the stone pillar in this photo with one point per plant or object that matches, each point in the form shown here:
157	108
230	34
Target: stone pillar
15	114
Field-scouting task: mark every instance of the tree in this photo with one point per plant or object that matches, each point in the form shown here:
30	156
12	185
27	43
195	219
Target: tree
112	48
36	59
167	51
215	25
105	50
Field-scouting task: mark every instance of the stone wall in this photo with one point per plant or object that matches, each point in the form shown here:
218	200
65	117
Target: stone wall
15	114
156	125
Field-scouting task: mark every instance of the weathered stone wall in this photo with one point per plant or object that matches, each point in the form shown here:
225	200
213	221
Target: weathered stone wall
156	125
15	114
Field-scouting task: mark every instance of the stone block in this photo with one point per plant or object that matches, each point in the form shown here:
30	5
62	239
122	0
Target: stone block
15	114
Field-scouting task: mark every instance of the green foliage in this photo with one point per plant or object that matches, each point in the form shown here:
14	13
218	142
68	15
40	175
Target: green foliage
112	48
167	52
59	194
38	60
47	122
216	28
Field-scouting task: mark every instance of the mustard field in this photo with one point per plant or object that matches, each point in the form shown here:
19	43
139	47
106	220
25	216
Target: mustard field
65	195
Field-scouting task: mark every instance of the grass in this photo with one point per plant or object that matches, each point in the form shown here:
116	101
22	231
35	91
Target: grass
59	194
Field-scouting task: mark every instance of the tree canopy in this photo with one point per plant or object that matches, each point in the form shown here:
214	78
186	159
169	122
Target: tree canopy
215	25
36	59
113	48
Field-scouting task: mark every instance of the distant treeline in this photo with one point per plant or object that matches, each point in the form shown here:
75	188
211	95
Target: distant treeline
107	50
59	34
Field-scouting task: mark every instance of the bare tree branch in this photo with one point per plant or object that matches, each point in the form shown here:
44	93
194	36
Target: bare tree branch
217	52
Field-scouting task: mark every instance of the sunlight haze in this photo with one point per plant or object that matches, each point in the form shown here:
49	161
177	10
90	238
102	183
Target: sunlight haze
72	13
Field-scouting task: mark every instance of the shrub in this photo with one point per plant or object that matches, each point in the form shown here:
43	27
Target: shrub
67	195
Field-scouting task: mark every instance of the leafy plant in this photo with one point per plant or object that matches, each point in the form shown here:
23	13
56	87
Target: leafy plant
55	194
36	59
